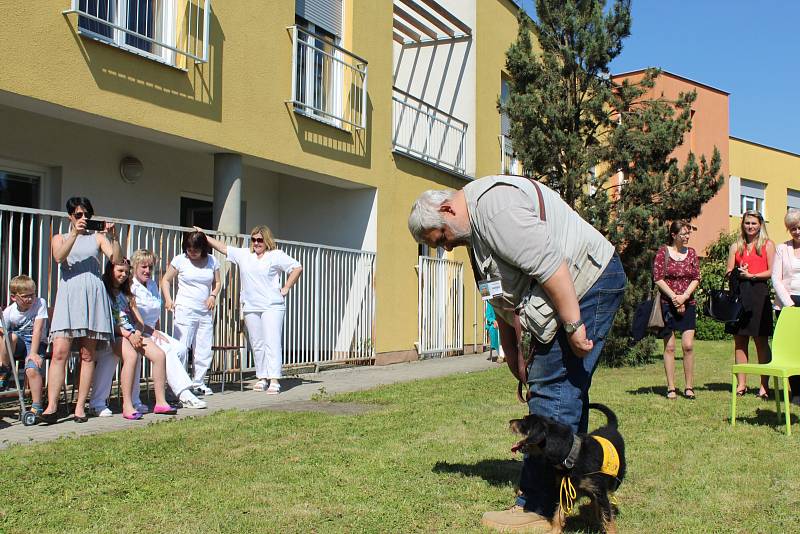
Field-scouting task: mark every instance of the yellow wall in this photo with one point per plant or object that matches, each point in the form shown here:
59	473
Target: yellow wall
777	169
236	103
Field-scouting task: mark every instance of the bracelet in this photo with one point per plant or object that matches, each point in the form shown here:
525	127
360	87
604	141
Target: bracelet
212	295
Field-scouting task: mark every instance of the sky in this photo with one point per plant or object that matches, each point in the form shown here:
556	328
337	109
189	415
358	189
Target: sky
748	48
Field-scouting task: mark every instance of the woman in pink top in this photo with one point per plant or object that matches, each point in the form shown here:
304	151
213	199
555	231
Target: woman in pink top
750	265
676	271
786	279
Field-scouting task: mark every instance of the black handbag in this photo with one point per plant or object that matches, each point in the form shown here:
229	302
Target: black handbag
723	304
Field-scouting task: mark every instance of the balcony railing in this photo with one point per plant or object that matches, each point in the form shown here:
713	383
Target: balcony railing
169	31
330	313
329	82
428	133
509	164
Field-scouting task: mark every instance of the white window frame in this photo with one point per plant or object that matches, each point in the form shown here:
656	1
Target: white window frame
752	196
792	199
334	81
165	20
42	173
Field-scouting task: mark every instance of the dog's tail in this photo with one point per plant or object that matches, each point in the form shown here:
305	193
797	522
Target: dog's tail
610	415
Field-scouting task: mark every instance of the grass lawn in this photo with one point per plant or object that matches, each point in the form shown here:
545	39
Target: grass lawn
432	457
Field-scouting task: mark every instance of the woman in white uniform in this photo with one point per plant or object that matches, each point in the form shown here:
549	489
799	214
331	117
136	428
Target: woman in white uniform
263	300
199	284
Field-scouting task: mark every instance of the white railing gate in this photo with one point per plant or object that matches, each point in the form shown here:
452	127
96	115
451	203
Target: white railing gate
441	307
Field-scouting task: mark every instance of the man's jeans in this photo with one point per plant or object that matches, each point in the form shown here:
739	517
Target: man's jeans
560	382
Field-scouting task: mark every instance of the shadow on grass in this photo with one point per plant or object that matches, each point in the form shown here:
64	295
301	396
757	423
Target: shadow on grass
584	521
661	391
765	417
495	472
716	386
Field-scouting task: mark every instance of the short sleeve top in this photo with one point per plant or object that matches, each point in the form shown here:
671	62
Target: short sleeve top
122	312
22	322
148	301
678	274
194	283
261	277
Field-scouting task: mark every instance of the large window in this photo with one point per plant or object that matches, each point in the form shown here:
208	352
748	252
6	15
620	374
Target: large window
792	199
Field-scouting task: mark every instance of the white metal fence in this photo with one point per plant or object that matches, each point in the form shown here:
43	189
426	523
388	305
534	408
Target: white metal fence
328	82
441	306
165	30
330	313
428	133
509	164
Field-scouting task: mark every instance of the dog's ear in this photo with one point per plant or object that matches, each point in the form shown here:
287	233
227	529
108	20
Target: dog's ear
537	432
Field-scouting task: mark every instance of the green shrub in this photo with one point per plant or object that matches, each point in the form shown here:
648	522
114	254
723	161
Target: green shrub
710	330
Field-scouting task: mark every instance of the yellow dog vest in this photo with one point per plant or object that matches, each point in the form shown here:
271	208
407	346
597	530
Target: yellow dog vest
610	457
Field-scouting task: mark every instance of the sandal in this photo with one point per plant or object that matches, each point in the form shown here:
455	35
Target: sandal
741	392
273	389
763	395
689	393
672	394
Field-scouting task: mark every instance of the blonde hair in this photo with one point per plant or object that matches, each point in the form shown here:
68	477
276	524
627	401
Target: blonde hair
143	255
266	233
761	239
20	284
792	218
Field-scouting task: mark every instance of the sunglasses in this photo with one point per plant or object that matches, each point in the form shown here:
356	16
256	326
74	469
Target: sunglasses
257	239
80	214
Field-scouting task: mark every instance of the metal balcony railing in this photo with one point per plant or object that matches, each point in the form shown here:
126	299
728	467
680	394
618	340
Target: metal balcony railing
428	133
169	31
509	164
329	82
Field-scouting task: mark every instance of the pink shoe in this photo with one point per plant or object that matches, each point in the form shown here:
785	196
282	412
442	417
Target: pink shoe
164	410
135	416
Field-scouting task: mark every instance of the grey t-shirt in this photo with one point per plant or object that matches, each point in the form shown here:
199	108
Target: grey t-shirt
511	241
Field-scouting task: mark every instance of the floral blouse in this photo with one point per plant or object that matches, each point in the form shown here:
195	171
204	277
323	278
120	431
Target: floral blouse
678	274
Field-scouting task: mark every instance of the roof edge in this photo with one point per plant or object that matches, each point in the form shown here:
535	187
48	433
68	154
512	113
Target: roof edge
788	152
673	75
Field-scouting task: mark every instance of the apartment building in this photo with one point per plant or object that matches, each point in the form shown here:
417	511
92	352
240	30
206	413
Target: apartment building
323	119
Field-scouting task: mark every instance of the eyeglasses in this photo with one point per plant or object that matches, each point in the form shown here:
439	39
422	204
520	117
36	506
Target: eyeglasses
26	297
80	214
257	239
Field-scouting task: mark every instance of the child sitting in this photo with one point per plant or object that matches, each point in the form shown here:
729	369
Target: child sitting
25	319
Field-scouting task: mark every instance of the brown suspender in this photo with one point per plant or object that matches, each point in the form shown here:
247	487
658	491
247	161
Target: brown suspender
519	365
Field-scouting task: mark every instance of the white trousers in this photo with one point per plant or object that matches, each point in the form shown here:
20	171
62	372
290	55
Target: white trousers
106	363
265	332
195	329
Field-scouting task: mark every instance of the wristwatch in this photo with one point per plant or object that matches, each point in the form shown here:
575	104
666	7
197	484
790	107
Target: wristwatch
571	328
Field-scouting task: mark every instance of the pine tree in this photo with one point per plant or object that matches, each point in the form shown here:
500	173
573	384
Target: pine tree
606	147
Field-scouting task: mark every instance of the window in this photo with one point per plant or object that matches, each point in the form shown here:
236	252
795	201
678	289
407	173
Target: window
154	19
751	196
196	212
318	76
792	199
21	232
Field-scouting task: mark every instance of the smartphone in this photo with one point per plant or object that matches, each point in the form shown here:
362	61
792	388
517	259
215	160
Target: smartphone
97	226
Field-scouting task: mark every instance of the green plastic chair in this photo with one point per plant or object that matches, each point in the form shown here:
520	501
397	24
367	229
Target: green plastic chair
785	362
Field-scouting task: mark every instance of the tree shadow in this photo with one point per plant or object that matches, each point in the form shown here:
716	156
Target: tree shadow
715	386
660	391
495	472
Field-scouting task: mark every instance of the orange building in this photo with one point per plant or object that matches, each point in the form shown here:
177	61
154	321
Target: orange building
710	128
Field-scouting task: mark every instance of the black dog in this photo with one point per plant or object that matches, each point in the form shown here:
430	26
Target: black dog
584	461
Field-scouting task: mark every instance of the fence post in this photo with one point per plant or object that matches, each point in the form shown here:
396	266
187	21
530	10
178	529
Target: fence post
316	312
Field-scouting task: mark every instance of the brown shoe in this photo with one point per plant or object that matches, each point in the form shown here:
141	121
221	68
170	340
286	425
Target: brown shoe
516	519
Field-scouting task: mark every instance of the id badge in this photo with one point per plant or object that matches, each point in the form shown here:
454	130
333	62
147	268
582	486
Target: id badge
490	288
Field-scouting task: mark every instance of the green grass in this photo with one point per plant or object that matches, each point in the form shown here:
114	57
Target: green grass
432	457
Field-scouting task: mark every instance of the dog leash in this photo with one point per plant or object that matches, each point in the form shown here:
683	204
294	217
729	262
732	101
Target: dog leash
567	495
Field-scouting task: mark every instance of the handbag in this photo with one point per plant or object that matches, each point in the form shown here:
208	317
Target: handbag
649	315
723	304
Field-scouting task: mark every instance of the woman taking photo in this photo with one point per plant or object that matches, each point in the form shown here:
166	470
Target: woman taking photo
82	312
750	265
131	342
786	279
263	300
198	287
676	272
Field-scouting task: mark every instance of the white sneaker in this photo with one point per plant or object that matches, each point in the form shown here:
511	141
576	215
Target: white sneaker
261	385
99	411
190	401
202	389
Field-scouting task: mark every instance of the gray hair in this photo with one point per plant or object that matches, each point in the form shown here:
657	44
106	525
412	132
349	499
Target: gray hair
425	212
792	218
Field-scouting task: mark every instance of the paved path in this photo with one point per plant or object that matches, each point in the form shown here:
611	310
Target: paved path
297	393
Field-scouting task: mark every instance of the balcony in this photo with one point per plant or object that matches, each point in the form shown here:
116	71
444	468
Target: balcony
167	31
329	82
427	133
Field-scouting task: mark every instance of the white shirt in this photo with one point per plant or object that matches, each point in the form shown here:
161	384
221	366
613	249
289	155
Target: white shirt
794	284
194	283
261	277
148	301
21	322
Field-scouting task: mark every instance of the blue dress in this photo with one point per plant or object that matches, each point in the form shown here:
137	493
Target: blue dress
494	333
